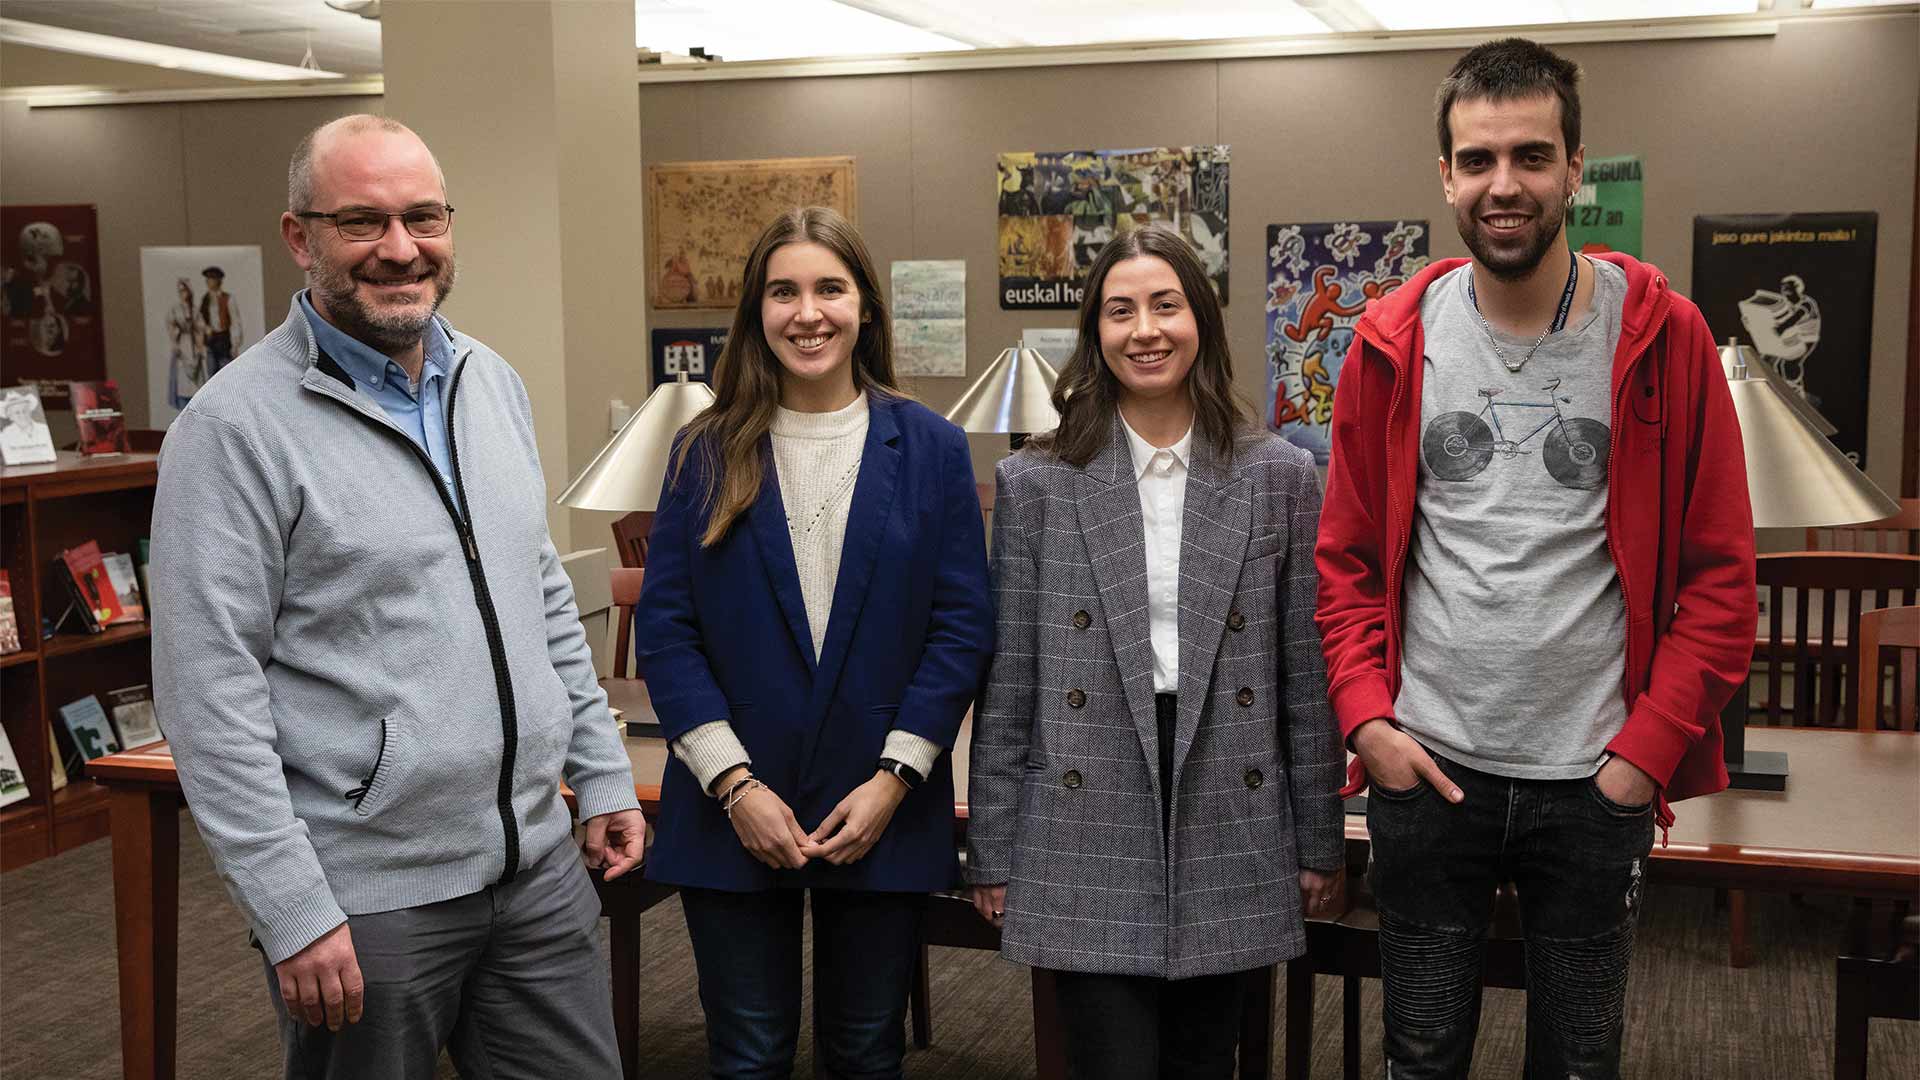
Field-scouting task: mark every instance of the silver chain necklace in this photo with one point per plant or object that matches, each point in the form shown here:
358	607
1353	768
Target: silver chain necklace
1559	319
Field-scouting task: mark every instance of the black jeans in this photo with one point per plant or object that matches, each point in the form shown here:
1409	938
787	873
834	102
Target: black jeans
1134	1027
1576	859
746	948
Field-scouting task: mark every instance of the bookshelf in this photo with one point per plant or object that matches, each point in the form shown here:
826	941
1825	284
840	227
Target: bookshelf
43	509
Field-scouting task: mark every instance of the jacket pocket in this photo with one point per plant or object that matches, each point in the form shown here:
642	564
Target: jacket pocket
392	761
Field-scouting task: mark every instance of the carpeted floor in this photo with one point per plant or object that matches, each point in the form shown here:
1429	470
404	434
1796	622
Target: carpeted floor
1689	1014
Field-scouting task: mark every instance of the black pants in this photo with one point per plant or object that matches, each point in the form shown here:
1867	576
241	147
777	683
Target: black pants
1133	1027
1575	857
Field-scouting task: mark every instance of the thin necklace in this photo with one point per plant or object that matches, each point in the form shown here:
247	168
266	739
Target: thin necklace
1559	318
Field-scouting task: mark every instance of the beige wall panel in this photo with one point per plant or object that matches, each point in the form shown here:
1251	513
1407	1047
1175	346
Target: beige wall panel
128	162
236	154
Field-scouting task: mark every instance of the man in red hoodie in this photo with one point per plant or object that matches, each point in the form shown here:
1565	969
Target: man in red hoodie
1536	583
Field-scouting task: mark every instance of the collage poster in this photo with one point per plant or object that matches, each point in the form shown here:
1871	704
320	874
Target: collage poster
1799	289
1059	208
1607	211
50	329
1320	277
202	307
930	316
702	218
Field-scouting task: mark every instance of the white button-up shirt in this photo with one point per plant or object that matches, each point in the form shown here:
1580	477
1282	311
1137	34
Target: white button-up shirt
1161	473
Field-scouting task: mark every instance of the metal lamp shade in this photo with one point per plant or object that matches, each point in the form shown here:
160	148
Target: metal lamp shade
1795	477
1735	355
1013	396
626	474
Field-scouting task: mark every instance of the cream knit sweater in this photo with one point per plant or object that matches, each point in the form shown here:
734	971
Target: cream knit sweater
817	458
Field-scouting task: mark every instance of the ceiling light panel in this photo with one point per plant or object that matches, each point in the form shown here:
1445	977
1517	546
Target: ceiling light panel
84	43
777	29
1093	22
277	31
1457	14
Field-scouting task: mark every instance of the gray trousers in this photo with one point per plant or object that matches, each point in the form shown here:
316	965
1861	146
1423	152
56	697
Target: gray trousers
511	980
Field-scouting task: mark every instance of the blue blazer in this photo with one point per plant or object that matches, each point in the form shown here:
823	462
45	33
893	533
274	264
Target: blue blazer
723	635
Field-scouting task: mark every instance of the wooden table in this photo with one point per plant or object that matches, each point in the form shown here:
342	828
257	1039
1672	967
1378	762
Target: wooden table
1844	825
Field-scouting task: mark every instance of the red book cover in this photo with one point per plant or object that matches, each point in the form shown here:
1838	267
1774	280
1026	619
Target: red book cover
9	622
96	409
91	585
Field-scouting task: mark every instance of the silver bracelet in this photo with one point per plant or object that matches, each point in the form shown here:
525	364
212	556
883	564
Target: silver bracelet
740	791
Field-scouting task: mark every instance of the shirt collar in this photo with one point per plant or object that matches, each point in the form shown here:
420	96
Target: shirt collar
370	367
1144	452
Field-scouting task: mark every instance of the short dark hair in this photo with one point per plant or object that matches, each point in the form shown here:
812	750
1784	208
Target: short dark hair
1507	69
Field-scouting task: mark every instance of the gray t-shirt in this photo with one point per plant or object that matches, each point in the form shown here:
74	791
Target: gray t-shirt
1515	633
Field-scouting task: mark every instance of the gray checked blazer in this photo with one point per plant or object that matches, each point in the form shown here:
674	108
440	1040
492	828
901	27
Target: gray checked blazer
1063	797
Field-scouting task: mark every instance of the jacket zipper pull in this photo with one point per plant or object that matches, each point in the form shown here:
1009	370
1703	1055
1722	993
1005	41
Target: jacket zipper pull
473	550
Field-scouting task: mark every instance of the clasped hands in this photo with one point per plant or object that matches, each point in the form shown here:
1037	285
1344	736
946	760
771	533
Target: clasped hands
768	830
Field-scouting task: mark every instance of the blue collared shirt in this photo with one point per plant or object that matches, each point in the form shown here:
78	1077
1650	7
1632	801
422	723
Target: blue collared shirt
417	410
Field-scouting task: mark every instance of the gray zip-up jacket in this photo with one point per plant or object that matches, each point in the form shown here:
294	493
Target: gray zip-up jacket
372	698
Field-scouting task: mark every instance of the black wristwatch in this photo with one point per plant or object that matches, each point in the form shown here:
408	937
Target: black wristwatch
908	775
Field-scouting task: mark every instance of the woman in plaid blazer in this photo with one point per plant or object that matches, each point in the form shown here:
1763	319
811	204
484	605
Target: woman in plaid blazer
1154	765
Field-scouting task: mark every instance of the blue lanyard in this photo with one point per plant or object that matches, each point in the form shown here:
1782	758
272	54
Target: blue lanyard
1566	297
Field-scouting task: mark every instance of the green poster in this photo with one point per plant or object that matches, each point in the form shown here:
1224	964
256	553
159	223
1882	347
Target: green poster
1606	212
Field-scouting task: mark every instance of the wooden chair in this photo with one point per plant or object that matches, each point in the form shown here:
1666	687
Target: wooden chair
1897	629
1898	534
626	598
622	901
630	538
1830	590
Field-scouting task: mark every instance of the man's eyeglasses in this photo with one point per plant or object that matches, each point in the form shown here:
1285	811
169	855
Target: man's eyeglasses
424	222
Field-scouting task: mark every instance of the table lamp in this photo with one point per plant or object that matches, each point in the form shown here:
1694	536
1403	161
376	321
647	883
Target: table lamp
627	473
1795	479
1014	396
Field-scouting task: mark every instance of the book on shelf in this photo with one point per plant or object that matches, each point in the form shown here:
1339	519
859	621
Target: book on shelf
120	571
133	716
13	783
57	778
89	728
96	410
93	593
9	622
141	557
25	438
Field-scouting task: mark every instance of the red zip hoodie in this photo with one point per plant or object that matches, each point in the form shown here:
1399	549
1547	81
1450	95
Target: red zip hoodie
1679	527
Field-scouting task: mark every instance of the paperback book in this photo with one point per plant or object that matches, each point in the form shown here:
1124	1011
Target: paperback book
13	783
25	438
120	571
96	409
93	593
9	622
91	731
133	716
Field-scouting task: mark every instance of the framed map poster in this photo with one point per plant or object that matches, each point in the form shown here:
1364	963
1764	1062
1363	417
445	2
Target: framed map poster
703	217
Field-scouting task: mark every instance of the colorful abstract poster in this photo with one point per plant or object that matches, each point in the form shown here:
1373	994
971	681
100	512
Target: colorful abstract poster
929	313
1320	277
1059	208
693	350
50	298
1799	289
1607	210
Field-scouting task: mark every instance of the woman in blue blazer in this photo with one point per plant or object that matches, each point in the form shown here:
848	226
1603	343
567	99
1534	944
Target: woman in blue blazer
814	623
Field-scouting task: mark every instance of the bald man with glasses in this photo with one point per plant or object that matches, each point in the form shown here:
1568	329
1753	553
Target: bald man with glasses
370	664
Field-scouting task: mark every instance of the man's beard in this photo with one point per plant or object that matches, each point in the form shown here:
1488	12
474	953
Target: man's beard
386	329
1508	264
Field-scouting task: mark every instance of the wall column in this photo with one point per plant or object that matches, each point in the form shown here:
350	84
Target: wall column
532	109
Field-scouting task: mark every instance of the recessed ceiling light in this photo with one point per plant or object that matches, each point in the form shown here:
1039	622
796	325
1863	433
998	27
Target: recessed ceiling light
61	39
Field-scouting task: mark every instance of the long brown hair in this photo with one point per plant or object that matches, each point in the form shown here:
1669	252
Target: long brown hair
746	378
1088	393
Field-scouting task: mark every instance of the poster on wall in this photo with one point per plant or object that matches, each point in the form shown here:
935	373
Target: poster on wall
930	316
200	308
50	330
1055	345
1607	211
1799	289
1320	277
703	217
693	350
1058	208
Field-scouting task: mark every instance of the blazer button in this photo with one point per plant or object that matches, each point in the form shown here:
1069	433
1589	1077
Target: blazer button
1236	621
1076	697
1245	696
1082	620
1254	779
1072	778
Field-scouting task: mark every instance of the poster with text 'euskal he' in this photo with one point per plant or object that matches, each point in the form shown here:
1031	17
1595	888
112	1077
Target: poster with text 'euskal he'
1799	289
